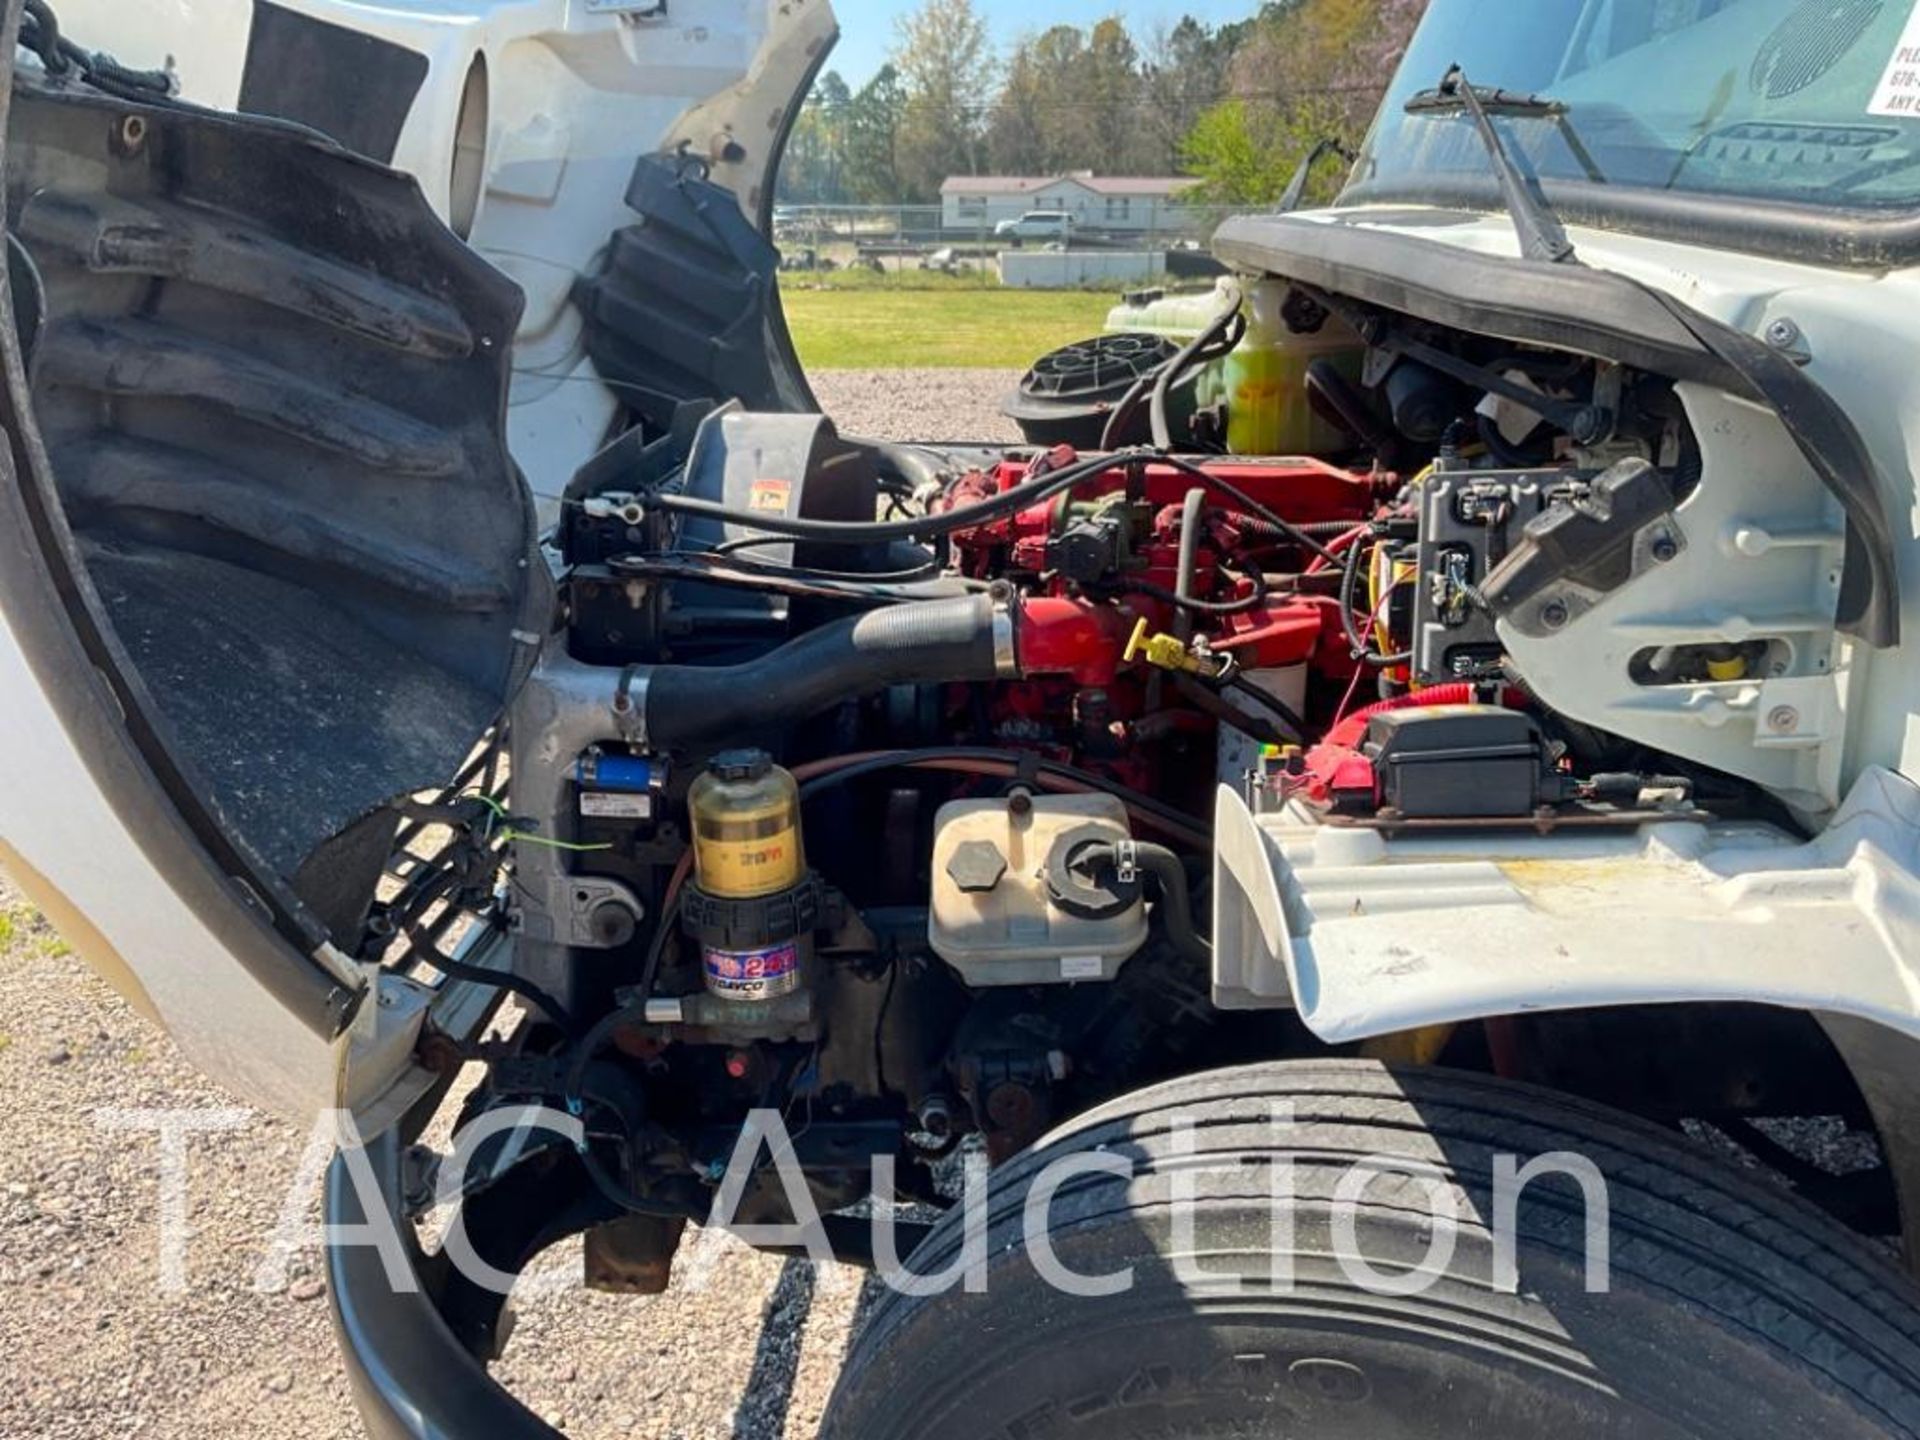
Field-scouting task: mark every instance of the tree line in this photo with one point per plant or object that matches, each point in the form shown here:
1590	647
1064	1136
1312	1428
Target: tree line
1236	106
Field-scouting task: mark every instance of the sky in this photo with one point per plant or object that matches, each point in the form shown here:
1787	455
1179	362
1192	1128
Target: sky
866	26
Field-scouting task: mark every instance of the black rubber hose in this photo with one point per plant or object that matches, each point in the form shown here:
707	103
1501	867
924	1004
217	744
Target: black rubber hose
1172	370
1122	414
1211	702
1273	705
923	643
1234	323
1184	605
915	468
1176	898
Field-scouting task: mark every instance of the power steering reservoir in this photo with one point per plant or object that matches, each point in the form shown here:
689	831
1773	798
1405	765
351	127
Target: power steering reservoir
753	905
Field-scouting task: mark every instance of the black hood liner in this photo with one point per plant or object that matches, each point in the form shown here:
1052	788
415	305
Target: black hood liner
688	307
272	387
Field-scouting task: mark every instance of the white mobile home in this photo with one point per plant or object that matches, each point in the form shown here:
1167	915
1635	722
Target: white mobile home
1129	204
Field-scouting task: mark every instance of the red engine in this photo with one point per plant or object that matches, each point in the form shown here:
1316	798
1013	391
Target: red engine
1145	587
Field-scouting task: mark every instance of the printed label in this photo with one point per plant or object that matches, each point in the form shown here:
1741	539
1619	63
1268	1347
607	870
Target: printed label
601	805
736	869
770	495
754	974
1082	967
1899	90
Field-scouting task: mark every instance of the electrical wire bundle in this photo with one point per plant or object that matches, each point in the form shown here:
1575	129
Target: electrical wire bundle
40	33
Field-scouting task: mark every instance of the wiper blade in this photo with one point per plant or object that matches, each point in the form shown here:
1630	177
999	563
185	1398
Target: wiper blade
1450	99
1542	236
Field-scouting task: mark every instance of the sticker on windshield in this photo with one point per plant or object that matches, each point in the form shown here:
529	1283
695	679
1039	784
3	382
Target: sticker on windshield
1899	89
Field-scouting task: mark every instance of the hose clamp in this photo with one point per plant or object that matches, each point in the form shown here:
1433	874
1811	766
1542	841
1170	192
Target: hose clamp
630	704
1006	657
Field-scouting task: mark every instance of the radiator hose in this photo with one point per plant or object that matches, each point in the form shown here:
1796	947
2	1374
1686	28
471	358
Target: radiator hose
922	643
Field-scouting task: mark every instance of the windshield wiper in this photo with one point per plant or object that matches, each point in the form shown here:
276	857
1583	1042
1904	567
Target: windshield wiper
1296	190
1516	105
1542	236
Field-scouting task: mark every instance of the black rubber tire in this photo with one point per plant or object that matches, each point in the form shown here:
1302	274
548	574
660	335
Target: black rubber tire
1735	1310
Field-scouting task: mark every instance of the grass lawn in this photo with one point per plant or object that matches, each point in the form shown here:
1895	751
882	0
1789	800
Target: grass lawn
948	327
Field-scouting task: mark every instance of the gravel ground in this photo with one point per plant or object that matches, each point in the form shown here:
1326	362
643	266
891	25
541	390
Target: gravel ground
94	1348
955	406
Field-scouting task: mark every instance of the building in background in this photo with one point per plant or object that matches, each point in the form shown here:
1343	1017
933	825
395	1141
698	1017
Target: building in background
1115	203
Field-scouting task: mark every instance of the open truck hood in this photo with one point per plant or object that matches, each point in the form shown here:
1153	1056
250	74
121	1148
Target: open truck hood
270	565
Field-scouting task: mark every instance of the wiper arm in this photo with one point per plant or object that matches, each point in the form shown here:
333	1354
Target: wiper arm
1516	105
1296	190
1542	236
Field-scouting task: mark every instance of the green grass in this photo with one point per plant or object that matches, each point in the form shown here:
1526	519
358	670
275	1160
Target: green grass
955	325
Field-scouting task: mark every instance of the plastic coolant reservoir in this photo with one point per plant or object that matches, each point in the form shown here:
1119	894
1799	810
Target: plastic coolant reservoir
994	918
1177	316
1268	412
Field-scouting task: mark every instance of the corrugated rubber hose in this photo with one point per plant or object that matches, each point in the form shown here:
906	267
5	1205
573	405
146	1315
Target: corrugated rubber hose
923	643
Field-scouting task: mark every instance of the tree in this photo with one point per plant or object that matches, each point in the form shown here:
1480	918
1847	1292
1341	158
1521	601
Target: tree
1306	71
1183	75
1076	100
1244	153
812	172
1112	97
872	140
1017	129
945	61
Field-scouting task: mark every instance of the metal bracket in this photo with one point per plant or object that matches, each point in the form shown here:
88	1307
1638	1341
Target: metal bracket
375	1076
584	912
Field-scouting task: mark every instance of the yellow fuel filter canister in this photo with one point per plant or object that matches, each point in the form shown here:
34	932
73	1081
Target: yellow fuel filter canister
747	846
746	827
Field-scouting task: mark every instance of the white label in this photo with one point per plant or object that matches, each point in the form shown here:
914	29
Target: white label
605	805
1082	967
1899	90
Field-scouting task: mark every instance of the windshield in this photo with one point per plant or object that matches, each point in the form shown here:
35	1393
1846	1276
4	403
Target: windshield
1805	101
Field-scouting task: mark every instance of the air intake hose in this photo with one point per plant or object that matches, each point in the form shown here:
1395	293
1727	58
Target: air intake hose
923	643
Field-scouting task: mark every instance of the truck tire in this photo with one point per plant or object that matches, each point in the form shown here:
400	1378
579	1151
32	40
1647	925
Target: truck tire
1735	1310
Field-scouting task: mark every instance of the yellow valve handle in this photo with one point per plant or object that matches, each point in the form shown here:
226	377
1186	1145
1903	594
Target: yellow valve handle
1165	652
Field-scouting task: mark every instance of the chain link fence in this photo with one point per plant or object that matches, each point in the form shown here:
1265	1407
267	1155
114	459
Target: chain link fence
930	245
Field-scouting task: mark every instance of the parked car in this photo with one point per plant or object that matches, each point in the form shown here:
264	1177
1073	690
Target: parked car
1505	767
1037	225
